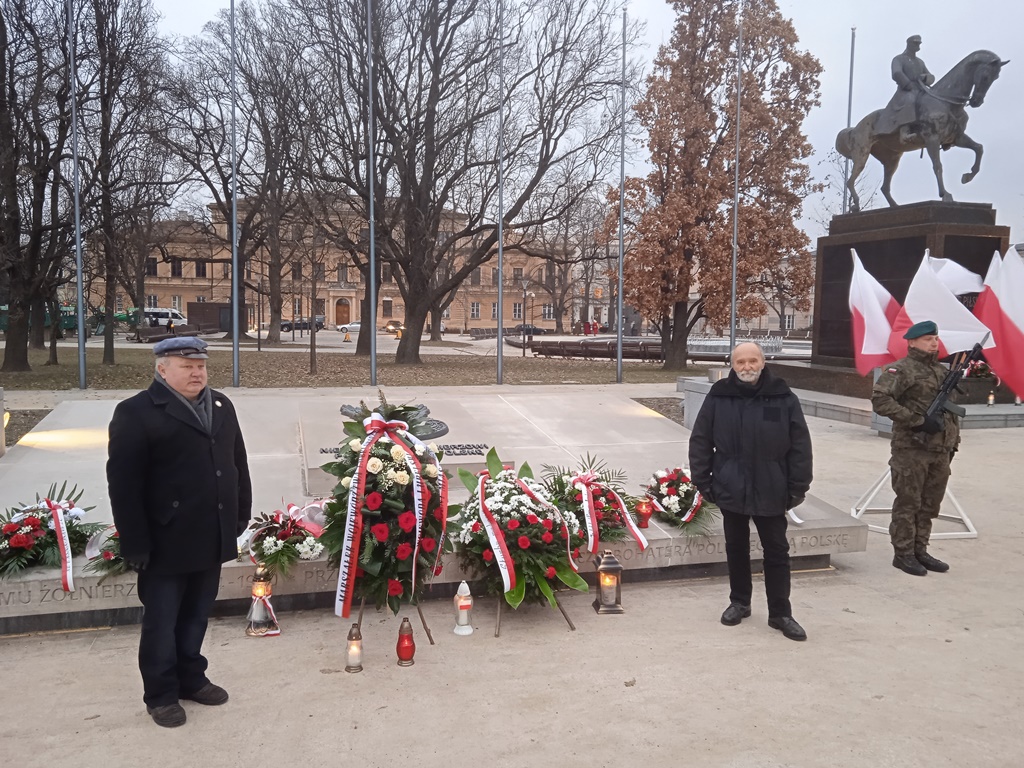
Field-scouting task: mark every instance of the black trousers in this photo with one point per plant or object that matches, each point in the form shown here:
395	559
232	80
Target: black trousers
176	609
771	530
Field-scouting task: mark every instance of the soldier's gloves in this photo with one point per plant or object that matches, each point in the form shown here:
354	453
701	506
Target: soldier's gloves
138	564
930	426
794	502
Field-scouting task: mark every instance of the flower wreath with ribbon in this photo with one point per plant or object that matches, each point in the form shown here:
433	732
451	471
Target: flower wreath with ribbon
385	525
282	538
677	501
515	537
104	552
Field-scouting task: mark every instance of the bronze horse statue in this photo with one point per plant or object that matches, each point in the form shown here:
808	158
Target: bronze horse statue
941	120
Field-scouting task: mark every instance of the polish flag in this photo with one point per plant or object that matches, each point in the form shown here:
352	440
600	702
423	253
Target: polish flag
873	310
1001	307
932	296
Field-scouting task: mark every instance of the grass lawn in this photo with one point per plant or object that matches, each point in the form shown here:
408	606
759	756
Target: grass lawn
134	370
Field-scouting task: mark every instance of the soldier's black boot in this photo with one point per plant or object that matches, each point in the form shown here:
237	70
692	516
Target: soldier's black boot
909	564
931	563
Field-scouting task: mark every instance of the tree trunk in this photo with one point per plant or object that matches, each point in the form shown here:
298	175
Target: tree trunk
55	330
37	325
16	342
435	324
674	353
312	321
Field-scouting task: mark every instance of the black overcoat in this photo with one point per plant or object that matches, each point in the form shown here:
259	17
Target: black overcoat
179	494
751	454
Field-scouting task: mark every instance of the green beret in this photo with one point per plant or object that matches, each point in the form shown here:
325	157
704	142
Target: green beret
924	328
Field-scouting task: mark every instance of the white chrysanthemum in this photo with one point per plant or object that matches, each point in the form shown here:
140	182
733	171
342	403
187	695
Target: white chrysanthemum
355	444
374	465
270	545
402	477
660	474
309	548
346	482
664	489
430	470
397	453
671	503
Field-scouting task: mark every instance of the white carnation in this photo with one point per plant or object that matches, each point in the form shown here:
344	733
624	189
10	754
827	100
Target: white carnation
374	465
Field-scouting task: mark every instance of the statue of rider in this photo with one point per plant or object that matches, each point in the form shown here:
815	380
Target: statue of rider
911	76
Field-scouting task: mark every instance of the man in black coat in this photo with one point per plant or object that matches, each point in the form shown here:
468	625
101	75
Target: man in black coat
750	453
178	480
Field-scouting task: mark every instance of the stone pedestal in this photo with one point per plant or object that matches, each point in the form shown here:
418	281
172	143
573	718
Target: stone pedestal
891	243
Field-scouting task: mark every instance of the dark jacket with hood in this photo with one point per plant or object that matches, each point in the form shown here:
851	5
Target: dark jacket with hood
750	449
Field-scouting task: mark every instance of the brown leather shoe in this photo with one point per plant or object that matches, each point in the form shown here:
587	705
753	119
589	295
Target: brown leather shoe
210	695
167	716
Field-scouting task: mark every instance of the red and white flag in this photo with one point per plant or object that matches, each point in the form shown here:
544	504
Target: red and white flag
932	297
1001	307
872	310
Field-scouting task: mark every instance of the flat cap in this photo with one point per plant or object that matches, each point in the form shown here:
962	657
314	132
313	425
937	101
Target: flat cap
924	328
184	346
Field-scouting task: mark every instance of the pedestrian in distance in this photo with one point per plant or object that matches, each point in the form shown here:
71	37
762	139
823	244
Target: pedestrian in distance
922	447
750	454
178	481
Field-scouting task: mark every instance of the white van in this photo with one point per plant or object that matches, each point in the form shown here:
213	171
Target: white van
161	317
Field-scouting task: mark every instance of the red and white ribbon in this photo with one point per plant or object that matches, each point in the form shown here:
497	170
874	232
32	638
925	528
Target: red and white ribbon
587	483
304	518
265	599
695	505
496	537
556	513
60	527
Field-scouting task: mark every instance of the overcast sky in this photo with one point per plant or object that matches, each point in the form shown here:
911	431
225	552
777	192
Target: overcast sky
882	29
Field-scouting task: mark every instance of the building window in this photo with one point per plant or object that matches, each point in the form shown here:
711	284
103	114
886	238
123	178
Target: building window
547	312
342	273
474	310
175	267
494	310
151	267
297	306
385	273
517	275
321	308
495	277
446	315
296	270
517	311
319	271
474	277
200	299
248	271
200	269
387	308
176	303
152	301
226	272
788	322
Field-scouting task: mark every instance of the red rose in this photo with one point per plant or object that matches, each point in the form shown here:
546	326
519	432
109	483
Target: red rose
428	544
550	572
599	515
564	534
21	541
283	534
407	521
547	524
475	528
610	495
547	538
403	551
671	477
576	554
488	555
108	555
439	515
374	500
380	530
11	528
394	588
32	521
532	519
672	491
117	535
599	503
579	497
524	542
513	524
38	533
438	569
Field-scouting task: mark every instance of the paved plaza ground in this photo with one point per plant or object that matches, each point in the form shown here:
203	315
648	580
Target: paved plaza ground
898	670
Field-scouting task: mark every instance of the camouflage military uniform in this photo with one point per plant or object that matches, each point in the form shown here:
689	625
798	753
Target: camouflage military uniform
920	462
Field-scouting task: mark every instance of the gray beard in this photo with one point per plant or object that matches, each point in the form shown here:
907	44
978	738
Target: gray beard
748	377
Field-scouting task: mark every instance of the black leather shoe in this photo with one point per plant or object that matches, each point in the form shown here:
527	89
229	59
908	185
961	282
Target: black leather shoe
788	626
735	613
931	563
209	694
909	564
167	716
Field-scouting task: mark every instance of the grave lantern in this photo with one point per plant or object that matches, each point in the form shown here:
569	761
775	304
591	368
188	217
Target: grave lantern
644	510
609	584
463	610
261	618
406	647
354	650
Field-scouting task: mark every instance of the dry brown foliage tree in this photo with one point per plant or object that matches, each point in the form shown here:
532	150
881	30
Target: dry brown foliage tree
679	216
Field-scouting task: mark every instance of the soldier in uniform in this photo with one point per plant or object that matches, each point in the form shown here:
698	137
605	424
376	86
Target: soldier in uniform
911	76
922	448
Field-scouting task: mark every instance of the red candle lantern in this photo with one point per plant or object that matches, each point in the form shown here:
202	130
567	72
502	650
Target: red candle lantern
406	647
644	510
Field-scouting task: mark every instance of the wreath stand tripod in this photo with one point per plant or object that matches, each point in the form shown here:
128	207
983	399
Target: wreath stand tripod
863	506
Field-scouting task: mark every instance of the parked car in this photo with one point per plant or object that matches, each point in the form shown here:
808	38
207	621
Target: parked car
391	326
301	324
529	330
352	327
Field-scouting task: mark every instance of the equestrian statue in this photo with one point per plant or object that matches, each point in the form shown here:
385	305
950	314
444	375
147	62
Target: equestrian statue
923	114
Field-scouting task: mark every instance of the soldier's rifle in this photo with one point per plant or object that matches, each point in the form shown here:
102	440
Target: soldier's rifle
949	385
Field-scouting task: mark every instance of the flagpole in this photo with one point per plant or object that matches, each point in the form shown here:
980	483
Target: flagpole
849	115
79	280
369	176
234	214
622	208
500	350
736	190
